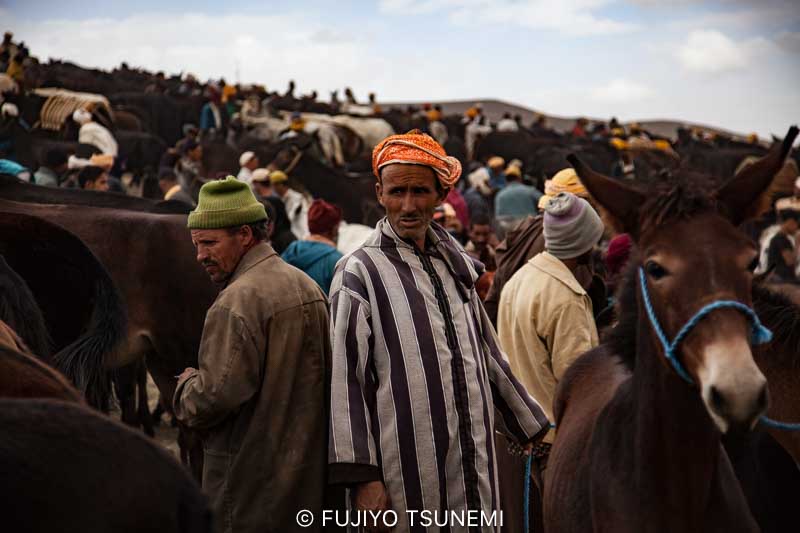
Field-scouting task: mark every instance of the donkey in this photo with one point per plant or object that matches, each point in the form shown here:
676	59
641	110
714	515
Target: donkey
640	418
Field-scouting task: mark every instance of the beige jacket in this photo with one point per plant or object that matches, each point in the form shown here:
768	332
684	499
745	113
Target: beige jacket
544	323
260	397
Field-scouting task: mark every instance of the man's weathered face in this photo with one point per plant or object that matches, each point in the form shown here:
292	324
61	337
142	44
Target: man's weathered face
479	235
253	163
409	195
196	154
219	251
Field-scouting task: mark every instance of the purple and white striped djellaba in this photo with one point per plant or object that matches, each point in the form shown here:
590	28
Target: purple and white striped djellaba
417	374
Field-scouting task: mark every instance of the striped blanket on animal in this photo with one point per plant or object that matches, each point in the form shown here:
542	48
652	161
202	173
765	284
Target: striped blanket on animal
61	103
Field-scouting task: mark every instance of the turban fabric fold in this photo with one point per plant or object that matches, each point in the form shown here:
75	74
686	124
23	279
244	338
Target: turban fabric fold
416	148
565	180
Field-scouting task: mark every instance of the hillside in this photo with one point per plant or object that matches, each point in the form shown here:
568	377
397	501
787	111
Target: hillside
494	109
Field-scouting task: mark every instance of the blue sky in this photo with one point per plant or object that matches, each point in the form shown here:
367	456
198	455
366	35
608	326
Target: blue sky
729	63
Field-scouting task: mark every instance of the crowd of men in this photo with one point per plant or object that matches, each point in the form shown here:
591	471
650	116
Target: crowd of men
381	370
419	356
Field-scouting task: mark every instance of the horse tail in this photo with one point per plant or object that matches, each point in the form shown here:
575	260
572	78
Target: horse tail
83	361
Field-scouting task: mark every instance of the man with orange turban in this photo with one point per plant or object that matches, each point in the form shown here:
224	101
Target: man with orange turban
417	372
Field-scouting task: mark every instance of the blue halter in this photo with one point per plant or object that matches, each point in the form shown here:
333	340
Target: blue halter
759	335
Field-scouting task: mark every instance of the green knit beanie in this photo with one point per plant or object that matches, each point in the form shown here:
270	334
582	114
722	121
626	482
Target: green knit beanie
226	203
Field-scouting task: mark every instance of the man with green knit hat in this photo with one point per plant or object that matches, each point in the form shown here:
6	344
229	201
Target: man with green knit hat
259	395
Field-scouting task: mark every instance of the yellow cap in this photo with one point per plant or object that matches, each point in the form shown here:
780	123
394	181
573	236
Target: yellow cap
565	180
278	176
496	162
618	143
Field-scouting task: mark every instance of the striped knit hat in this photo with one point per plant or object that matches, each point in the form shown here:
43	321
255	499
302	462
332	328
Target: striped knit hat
224	204
571	226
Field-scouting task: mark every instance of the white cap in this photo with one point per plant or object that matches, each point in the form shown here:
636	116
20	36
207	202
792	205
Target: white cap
245	158
261	174
9	109
81	116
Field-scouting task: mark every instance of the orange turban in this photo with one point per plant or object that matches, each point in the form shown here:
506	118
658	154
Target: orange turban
416	148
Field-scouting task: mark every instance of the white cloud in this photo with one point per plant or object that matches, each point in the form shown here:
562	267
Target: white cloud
263	48
570	17
712	52
621	90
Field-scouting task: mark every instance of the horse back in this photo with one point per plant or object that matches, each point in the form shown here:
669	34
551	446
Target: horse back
587	387
24	376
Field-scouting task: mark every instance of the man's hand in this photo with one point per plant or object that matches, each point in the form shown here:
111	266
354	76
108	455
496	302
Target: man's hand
372	496
527	449
186	373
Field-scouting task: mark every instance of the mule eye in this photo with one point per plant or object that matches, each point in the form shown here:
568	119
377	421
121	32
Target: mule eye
753	265
654	270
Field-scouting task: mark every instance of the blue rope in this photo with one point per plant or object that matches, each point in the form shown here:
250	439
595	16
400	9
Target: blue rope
759	335
526	503
785	426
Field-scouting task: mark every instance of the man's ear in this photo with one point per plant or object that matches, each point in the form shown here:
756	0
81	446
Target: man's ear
748	193
379	192
620	202
246	234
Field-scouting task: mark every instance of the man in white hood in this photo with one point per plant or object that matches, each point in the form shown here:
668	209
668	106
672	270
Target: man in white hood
94	133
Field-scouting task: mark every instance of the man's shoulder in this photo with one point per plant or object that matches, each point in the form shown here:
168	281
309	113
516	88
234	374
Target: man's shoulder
270	285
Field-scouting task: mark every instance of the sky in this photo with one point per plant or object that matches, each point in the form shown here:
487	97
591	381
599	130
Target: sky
733	64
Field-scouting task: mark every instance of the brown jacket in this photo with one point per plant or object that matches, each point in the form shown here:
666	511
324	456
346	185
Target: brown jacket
260	396
544	323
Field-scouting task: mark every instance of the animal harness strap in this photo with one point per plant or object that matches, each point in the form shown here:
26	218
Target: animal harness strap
759	333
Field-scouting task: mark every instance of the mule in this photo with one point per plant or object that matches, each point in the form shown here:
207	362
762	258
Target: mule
778	306
151	259
639	419
82	309
67	468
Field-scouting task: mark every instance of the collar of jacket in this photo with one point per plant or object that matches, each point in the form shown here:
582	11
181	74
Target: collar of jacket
258	253
464	269
551	265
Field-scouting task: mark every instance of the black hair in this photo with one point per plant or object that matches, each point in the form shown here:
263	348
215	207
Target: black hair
479	220
89	173
259	230
789	214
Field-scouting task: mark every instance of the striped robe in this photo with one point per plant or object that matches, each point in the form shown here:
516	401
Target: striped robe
417	374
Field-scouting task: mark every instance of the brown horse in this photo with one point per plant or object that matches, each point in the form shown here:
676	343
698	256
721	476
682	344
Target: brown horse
24	376
778	306
68	468
65	285
638	448
151	260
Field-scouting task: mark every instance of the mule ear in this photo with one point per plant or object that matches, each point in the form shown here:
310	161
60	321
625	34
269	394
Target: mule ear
748	193
620	202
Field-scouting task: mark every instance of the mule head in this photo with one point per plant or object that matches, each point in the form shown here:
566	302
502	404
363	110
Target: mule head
692	254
